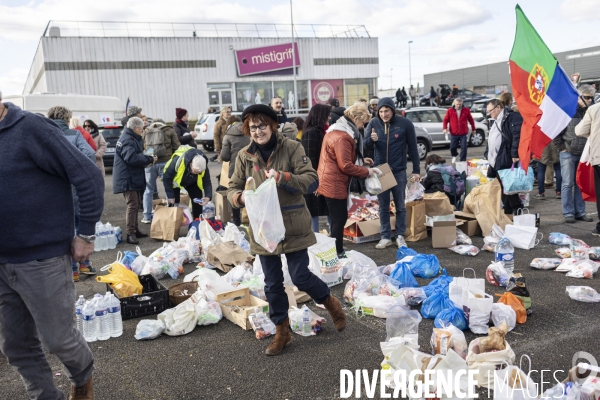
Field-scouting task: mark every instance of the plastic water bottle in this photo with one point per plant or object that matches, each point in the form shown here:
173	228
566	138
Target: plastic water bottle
111	238
89	322
103	238
79	313
506	252
118	234
97	244
102	317
114	312
306	325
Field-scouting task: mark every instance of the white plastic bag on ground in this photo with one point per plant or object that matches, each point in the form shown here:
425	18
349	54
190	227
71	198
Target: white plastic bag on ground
180	320
148	329
377	306
261	324
583	293
324	262
209	282
485	364
446	338
208	313
208	236
583	269
545	263
402	322
264	213
477	306
501	312
455	288
360	259
295	316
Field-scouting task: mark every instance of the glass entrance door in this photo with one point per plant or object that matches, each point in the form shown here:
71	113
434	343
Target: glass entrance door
219	95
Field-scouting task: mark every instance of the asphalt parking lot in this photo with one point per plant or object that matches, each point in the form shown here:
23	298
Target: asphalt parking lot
224	361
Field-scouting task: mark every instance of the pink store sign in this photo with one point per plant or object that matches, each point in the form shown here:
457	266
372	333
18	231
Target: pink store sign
322	91
266	59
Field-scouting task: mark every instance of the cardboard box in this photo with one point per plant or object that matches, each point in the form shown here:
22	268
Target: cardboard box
224	179
387	179
357	202
222	206
244	304
469	226
443	234
365	231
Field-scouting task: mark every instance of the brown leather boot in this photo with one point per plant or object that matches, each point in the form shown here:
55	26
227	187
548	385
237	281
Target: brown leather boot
335	310
85	392
283	337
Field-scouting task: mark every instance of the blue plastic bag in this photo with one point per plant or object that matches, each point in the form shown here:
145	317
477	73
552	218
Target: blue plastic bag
403	275
128	257
403	252
514	180
425	266
442	281
452	315
436	303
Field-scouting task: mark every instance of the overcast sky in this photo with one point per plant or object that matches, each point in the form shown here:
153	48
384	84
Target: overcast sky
446	34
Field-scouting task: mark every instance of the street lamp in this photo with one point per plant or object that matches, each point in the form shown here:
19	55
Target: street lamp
391	84
409	66
294	58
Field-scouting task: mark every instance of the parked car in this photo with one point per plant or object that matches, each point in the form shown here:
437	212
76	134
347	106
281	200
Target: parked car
111	134
467	95
431	119
205	129
424	142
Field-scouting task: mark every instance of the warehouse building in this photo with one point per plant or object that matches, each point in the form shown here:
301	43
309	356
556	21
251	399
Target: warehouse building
160	66
493	79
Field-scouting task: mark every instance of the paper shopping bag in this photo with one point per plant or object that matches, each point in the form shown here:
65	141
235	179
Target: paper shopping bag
415	221
485	201
522	237
437	204
457	285
227	255
166	223
524	219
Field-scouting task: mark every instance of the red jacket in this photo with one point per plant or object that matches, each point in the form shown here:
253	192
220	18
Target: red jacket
336	165
88	138
459	126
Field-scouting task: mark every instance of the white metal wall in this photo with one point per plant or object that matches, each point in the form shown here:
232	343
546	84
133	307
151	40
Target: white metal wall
160	91
36	82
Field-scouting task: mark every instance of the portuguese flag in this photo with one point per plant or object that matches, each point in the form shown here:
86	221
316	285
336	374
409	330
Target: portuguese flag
546	98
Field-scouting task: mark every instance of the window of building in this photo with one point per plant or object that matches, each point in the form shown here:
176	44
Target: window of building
219	95
248	93
358	89
285	90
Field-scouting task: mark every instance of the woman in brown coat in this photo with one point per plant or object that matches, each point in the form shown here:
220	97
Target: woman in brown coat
91	127
338	163
220	129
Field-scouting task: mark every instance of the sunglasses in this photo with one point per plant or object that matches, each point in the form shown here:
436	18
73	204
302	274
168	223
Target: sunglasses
587	97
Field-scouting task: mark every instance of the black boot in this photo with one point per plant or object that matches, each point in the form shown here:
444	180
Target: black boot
132	239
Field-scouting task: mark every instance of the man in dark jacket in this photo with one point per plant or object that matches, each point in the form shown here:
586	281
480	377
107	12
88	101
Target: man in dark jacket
277	106
128	173
392	137
335	114
181	128
187	169
570	147
37	243
170	143
132	111
459	118
503	147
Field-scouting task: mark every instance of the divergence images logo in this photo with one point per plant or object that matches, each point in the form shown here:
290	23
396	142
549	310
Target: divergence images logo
323	92
537	84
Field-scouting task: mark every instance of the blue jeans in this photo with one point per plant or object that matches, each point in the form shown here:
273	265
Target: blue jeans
152	173
455	142
315	223
301	276
541	177
36	306
398	192
572	202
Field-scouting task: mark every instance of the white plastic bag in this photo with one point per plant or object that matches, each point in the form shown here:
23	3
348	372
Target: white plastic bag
180	320
446	338
264	213
485	364
462	238
455	288
583	269
477	306
414	191
545	263
377	306
233	234
522	237
324	261
360	259
140	261
402	322
583	293
208	236
295	316
501	312
261	324
373	185
208	313
148	329
209	282
465	250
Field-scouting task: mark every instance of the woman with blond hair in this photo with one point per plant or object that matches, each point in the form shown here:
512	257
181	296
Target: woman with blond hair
76	124
341	159
91	128
220	129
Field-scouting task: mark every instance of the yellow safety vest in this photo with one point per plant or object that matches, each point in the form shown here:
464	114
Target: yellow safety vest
180	167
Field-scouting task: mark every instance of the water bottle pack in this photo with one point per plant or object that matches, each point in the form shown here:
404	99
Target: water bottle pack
99	318
107	236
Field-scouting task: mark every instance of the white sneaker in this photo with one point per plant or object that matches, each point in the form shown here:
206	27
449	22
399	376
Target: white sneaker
400	241
383	243
453	160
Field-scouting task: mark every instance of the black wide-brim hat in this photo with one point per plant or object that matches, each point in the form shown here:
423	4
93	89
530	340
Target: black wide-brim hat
259	109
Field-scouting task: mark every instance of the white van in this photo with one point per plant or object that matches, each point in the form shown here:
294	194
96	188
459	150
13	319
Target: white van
103	110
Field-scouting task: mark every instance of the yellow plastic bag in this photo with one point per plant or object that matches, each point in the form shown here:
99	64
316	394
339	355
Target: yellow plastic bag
124	282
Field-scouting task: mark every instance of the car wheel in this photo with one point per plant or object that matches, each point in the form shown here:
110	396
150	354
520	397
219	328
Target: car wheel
421	149
208	147
477	138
